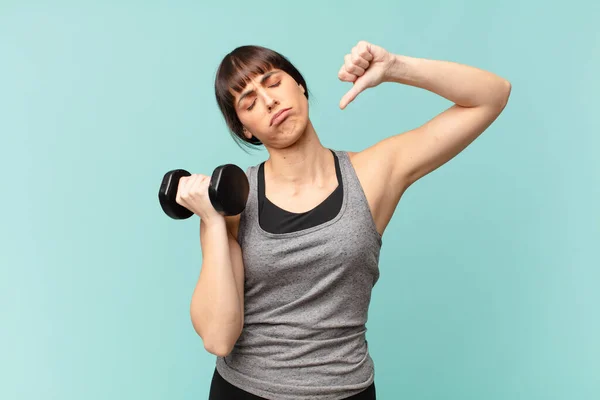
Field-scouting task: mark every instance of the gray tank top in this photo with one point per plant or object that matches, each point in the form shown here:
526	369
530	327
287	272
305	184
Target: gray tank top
307	295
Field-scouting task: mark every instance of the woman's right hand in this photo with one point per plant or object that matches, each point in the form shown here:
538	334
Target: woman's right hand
192	193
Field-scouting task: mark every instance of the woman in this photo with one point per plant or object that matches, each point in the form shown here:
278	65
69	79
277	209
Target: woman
284	290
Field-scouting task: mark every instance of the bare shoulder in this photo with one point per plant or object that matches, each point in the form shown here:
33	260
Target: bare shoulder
375	175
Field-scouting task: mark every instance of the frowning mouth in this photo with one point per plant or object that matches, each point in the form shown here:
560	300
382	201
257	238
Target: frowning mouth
280	116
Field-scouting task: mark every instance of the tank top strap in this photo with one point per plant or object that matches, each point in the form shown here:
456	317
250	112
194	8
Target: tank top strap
354	205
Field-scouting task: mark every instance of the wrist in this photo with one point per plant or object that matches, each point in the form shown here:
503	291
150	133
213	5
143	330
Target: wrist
214	221
399	70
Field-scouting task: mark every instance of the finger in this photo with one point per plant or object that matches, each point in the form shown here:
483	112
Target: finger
190	184
359	60
201	184
198	185
351	67
185	187
349	96
363	49
190	187
181	189
345	76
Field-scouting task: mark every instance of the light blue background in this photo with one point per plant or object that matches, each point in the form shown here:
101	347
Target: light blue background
490	267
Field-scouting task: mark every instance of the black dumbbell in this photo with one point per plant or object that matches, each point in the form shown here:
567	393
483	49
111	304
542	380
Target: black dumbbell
228	191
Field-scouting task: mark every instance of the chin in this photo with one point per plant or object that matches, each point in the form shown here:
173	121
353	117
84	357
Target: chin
292	130
285	139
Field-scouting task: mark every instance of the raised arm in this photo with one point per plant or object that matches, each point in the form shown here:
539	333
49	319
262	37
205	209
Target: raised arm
394	163
479	97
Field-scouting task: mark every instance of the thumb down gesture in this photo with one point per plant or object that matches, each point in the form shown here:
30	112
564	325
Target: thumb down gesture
366	66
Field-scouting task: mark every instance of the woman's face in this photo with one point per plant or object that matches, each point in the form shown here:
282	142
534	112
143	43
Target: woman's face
263	98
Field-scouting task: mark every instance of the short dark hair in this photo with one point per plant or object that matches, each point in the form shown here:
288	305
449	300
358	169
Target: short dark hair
235	72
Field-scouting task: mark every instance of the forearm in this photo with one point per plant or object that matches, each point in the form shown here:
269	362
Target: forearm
462	84
215	307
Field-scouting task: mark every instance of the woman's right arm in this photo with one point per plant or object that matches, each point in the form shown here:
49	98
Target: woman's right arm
217	305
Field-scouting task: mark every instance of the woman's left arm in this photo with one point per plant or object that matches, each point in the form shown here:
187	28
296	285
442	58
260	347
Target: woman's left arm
479	97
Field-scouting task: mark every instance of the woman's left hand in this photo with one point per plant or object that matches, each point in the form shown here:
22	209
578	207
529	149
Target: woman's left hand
367	66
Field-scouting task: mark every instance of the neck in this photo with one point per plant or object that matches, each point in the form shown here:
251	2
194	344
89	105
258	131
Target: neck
306	163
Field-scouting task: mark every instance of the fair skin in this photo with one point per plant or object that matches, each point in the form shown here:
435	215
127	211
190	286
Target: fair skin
300	172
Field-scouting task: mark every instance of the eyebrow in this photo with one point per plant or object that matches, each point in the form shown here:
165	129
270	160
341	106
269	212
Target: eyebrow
262	80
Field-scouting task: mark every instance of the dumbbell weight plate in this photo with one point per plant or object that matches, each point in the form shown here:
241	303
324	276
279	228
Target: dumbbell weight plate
167	195
228	190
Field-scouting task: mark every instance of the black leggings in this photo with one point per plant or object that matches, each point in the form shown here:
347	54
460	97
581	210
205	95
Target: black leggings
220	389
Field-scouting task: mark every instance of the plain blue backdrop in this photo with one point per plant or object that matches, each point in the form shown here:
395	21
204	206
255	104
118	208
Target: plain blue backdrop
490	275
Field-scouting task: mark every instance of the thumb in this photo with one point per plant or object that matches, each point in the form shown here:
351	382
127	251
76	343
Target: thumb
352	93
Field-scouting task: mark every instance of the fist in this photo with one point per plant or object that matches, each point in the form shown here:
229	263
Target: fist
366	66
192	193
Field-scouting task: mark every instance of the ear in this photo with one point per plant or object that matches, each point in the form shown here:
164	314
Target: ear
247	133
301	87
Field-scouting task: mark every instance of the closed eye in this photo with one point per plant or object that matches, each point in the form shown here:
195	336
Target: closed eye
252	105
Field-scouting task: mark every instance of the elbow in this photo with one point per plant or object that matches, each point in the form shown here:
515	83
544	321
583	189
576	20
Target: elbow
218	337
221	347
504	93
218	350
220	344
507	90
217	347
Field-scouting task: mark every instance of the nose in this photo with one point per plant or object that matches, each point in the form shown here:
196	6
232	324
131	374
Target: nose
270	102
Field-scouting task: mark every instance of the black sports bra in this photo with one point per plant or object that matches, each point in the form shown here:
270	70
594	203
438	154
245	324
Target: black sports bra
276	220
